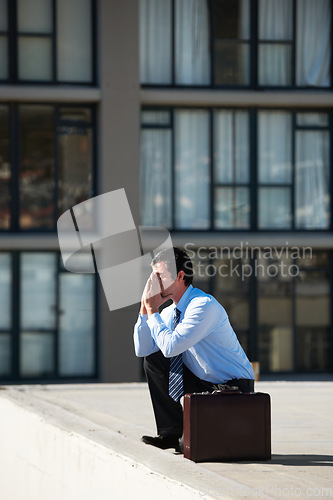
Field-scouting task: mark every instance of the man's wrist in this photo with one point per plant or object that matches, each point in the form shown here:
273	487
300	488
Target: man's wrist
151	311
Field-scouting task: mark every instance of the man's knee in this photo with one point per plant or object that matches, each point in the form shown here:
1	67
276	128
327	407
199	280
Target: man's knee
156	362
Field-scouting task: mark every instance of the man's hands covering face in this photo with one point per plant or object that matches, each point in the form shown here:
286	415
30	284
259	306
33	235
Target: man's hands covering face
151	298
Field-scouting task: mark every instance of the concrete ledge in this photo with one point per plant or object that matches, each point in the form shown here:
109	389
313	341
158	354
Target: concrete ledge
83	442
48	93
203	97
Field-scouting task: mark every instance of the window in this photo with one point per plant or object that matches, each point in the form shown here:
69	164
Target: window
238	43
51	167
293	170
4	64
47	41
275	312
231	170
275	169
277	299
55	340
231	42
236	169
5	170
313	308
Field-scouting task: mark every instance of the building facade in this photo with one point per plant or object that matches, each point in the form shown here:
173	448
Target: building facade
216	118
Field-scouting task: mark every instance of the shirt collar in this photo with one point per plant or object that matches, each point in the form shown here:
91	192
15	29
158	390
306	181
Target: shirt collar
181	306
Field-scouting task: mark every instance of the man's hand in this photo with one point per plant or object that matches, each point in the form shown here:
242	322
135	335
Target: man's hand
151	298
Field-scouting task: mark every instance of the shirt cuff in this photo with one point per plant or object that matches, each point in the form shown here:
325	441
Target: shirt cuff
142	318
154	320
155	323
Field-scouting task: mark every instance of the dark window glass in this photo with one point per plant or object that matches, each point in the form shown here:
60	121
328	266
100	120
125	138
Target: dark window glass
313	321
54	160
231	289
5	314
275	314
75	157
3	40
5	169
37	182
231	42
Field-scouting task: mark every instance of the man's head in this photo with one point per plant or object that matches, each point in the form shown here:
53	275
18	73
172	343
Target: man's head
163	265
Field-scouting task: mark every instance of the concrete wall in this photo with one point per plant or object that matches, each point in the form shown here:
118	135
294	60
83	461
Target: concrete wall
40	460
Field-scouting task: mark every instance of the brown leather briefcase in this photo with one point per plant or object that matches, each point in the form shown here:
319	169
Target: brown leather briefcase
227	426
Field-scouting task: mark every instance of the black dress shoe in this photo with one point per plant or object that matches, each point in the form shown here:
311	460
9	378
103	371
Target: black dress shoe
163	442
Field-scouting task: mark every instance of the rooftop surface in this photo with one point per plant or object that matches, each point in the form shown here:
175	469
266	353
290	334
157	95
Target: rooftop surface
115	416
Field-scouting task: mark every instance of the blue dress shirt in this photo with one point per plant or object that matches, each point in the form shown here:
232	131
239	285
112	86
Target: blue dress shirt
204	335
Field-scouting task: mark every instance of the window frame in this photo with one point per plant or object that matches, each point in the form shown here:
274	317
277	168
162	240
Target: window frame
15	150
13	37
15	330
253	331
254	45
253	166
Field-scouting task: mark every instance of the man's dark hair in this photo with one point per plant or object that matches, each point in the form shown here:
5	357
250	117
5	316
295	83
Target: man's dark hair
183	262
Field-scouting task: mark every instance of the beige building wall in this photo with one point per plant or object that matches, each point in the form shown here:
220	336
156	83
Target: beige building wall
118	162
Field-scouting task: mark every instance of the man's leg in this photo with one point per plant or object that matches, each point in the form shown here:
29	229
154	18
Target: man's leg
168	413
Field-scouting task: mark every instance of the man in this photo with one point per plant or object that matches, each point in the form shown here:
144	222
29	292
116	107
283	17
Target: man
189	347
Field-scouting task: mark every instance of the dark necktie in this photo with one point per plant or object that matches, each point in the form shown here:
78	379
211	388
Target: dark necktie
176	387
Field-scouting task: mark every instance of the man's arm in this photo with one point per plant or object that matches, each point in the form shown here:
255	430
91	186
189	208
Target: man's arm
201	318
144	343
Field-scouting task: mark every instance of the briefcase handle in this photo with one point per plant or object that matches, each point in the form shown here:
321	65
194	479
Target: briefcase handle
226	389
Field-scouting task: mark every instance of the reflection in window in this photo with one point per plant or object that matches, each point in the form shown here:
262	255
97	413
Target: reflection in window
55	163
231	289
75	156
5	169
231	21
313	320
275	315
5	354
36	166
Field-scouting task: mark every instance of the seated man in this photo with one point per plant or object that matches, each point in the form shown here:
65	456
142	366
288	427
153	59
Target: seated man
189	347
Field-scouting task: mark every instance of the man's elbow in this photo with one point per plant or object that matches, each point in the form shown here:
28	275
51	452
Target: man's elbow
139	353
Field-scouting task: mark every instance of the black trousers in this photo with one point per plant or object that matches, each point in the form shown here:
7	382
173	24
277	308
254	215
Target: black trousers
169	413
